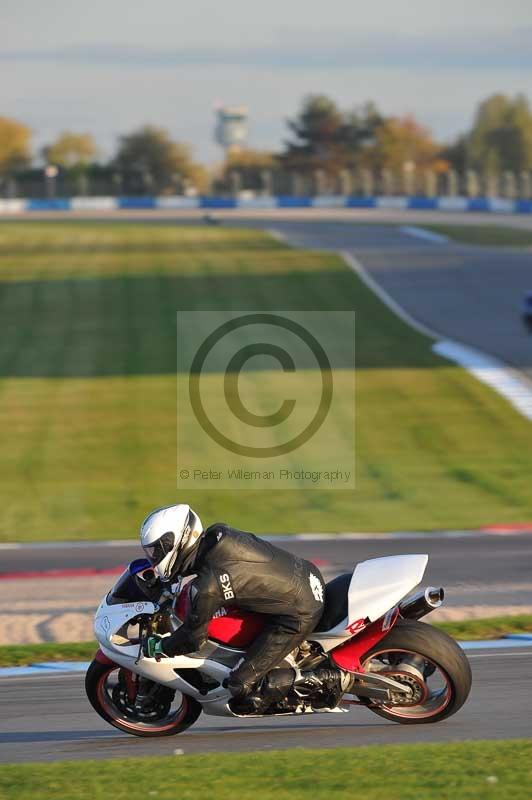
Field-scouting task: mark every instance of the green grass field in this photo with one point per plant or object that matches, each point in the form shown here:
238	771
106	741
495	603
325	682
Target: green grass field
88	390
462	771
14	655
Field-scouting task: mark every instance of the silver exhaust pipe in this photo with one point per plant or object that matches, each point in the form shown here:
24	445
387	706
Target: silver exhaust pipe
422	603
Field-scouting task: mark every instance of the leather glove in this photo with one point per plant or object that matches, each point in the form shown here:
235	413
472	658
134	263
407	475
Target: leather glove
152	647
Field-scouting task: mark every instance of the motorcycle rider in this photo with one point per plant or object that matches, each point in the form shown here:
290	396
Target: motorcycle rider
233	568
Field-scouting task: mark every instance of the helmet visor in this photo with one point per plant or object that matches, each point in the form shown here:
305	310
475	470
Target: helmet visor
158	550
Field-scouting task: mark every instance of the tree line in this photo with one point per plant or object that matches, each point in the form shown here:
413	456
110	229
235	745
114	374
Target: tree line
323	141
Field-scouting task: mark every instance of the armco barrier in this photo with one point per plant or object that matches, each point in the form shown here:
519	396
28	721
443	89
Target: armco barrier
484	204
12	206
294	202
48	205
177	202
93	204
137	202
217	202
361	202
423	203
478	204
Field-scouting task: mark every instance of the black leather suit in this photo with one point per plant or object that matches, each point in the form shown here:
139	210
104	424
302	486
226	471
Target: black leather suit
235	568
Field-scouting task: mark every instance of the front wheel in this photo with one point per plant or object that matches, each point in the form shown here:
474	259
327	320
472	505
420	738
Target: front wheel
113	693
430	663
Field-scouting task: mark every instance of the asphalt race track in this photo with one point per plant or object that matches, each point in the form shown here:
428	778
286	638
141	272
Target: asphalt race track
466	293
49	718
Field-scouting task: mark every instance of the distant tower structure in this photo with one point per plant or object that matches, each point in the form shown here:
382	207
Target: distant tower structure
231	130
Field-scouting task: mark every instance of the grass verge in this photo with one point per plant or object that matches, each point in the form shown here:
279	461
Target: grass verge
19	655
489	628
466	770
490	235
88	391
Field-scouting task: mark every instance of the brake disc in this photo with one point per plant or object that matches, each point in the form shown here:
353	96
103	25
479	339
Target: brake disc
155	705
408	675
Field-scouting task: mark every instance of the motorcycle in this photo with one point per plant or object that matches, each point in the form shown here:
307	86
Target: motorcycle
369	649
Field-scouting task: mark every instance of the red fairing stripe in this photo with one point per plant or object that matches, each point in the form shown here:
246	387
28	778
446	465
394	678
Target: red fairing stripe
349	655
233	627
236	628
101	658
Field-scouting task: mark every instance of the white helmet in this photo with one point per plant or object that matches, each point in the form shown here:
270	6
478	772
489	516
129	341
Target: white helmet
170	537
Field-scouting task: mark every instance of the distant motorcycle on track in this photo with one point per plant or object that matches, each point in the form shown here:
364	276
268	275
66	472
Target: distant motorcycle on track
370	633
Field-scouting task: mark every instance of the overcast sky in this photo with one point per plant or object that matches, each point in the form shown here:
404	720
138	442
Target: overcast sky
110	65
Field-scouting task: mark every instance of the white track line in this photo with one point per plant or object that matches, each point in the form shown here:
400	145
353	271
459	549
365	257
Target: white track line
295	537
70	545
507	382
421	233
398	310
277	234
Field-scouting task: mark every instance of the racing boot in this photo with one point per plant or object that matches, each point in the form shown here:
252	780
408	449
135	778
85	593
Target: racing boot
324	686
246	697
259	697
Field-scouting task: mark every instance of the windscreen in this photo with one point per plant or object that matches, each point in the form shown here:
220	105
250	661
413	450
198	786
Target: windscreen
125	590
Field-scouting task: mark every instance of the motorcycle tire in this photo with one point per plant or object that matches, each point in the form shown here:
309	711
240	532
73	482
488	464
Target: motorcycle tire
95	687
441	653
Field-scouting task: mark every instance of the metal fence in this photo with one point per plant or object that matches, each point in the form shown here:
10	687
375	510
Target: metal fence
345	183
367	183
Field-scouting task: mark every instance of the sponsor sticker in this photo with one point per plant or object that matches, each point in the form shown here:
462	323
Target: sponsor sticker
356	626
316	587
227	589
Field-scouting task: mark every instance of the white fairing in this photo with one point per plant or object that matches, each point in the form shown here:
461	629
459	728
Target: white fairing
378	584
110	626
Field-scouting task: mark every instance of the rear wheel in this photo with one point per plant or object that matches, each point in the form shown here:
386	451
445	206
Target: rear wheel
112	692
430	663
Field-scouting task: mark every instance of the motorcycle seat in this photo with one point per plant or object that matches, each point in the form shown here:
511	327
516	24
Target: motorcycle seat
335	603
